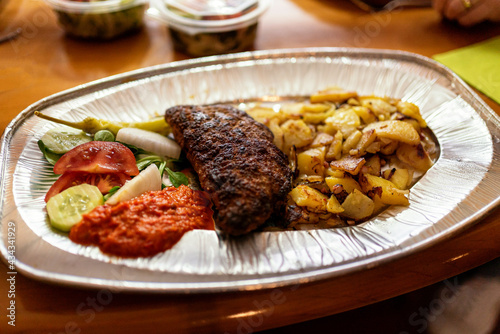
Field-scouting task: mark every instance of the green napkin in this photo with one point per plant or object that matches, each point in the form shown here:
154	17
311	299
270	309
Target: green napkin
478	64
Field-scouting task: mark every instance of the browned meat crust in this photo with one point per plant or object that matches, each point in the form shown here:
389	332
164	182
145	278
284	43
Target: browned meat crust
246	175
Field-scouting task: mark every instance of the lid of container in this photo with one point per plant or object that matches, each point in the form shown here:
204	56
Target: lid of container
181	20
94	7
211	9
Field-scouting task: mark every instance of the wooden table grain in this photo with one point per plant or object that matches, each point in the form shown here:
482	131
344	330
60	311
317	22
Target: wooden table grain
43	61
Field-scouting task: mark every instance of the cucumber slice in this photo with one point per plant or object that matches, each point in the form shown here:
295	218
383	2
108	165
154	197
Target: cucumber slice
66	208
62	139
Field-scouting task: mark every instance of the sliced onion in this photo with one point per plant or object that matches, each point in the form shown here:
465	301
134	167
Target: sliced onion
147	180
149	141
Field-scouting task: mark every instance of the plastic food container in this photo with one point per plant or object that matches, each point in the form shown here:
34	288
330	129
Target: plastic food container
99	19
210	27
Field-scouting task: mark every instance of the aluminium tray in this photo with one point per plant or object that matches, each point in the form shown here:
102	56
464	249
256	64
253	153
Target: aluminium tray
453	195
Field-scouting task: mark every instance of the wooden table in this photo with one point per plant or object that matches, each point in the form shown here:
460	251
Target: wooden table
42	61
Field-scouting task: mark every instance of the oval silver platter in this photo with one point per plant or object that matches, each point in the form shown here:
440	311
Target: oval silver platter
460	188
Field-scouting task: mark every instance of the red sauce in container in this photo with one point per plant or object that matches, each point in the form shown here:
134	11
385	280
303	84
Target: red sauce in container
146	225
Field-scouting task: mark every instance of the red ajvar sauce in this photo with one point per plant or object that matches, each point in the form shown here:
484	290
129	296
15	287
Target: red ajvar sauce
146	225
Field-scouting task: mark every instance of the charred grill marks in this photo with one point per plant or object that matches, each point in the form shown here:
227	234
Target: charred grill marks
246	175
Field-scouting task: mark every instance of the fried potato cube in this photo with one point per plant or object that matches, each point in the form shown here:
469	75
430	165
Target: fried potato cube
378	206
332	94
367	138
401	177
379	106
335	150
373	147
344	119
365	114
389	194
317	107
411	110
292	109
296	133
397	130
348	183
372	166
317	118
414	123
310	179
353	101
275	128
334	172
357	206
264	115
351	141
388	146
415	156
333	205
312	161
309	197
349	164
322	139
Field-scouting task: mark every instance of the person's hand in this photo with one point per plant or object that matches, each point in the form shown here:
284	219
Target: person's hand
469	12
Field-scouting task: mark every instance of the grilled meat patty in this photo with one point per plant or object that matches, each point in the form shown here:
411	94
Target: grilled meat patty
246	175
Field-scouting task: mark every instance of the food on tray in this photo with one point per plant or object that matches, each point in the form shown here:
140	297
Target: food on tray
96	168
246	175
99	19
148	180
145	225
352	155
92	125
334	159
65	209
100	163
61	140
148	141
98	157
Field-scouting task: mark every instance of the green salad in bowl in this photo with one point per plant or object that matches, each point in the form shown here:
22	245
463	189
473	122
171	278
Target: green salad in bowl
99	19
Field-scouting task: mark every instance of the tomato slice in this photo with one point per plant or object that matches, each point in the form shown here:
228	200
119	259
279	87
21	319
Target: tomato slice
103	181
98	157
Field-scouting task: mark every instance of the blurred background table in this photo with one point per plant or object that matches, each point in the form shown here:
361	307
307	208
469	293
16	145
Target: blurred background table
42	61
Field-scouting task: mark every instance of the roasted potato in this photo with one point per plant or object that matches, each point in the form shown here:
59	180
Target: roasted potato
332	94
345	120
352	155
348	183
349	164
379	106
411	110
264	114
357	206
312	161
335	150
396	130
309	197
322	139
277	132
415	156
389	194
400	177
351	142
333	205
296	133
